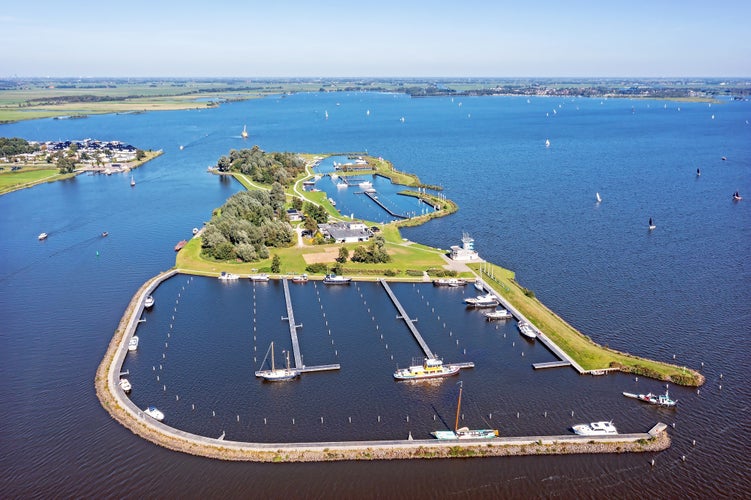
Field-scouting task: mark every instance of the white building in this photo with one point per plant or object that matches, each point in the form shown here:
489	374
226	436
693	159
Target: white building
466	252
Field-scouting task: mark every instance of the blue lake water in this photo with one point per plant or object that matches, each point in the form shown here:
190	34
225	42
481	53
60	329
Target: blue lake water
681	290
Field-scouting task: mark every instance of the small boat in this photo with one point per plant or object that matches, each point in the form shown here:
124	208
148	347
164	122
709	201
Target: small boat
651	224
654	399
180	245
133	343
370	190
737	196
401	119
244	133
132	181
259	277
105	234
182	147
365	184
333	279
547	143
149	302
487	300
195	231
598	198
125	385
331	200
597	373
430	368
453	282
698	172
479	285
42	236
225	276
526	330
154	413
498	314
276	374
603	428
464	432
301	278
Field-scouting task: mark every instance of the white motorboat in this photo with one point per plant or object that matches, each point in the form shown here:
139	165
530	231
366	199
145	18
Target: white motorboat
526	330
133	343
603	428
195	231
365	184
259	277
125	385
224	276
154	413
487	300
149	302
42	236
598	197
498	314
333	279
453	282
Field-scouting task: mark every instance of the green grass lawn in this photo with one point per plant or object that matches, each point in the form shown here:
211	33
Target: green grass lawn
9	181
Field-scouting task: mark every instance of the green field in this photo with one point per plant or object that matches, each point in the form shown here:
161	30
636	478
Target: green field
27	177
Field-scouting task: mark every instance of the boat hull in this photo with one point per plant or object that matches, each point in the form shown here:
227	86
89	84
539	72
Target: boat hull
277	375
466	434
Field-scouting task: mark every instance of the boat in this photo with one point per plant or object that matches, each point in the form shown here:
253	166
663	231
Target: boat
430	368
654	399
479	285
244	133
498	314
105	234
182	147
132	181
42	236
133	343
603	428
370	190
331	200
526	330
365	184
301	278
333	279
195	231
149	302
180	245
454	282
225	276
259	277
464	432
737	196
125	385
598	198
401	119
651	224
547	143
487	300
154	413
276	374
698	172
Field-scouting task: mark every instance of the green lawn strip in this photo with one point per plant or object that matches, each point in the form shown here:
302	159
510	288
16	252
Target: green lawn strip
11	181
581	348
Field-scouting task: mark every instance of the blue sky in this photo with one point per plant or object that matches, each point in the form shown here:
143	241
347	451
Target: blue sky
375	38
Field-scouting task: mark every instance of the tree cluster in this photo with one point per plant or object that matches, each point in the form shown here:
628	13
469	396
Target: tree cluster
15	146
374	253
245	226
263	167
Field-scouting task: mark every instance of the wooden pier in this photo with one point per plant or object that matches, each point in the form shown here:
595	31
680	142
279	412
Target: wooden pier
407	320
390	212
299	366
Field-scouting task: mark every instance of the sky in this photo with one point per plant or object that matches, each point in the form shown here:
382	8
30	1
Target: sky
386	38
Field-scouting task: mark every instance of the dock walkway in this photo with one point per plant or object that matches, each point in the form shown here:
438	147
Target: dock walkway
408	320
390	212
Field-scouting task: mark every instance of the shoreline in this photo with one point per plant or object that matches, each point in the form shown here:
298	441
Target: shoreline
122	409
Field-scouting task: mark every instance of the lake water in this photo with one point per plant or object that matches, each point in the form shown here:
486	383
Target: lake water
681	290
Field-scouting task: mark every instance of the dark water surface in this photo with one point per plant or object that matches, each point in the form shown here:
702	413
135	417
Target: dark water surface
681	290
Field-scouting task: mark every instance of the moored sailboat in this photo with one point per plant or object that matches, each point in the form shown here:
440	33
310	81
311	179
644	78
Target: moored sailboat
464	432
277	374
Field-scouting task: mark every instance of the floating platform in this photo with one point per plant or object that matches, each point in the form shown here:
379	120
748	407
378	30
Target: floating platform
550	364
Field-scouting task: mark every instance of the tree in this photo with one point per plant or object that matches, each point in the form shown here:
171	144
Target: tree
65	165
343	255
276	264
277	195
297	203
140	155
311	225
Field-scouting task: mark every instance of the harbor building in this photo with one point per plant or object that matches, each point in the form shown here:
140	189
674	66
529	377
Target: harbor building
466	252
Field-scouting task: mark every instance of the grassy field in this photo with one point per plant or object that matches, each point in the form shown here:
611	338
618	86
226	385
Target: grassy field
28	176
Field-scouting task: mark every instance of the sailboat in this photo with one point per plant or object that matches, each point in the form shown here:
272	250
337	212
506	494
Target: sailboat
698	172
276	374
547	143
737	196
464	432
244	133
132	181
597	196
651	224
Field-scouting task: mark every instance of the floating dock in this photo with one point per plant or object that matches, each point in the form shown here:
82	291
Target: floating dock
299	367
373	197
550	364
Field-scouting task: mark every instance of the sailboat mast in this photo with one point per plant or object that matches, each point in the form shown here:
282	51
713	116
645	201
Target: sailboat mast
272	357
458	408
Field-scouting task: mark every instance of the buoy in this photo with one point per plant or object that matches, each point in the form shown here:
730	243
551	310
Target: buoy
407	418
379	418
350	419
673	425
238	418
264	420
193	406
517	414
321	419
653	462
572	413
293	421
213	413
683	457
546	414
693	442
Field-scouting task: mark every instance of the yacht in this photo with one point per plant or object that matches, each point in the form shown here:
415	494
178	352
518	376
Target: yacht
259	277
149	302
430	368
42	236
487	300
603	428
333	279
453	282
526	329
365	184
154	413
125	385
301	278
133	343
225	276
498	314
277	374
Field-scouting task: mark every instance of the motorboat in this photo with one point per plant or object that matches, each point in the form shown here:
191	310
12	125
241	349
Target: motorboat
453	282
195	231
498	314
365	184
654	399
333	203
244	133
259	277
132	181
430	368
333	279
42	236
603	428
487	300
149	302
154	413
133	343
301	278
479	286
105	234
464	432
225	276
125	385
180	245
526	330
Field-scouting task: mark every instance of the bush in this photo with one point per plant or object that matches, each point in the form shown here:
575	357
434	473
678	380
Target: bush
318	268
413	272
390	272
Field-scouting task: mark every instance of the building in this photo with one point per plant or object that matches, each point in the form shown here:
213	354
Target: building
294	215
466	252
345	232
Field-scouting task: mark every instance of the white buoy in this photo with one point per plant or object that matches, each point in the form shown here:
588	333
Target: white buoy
213	413
264	420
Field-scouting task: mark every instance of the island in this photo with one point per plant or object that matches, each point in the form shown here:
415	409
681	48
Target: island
286	233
